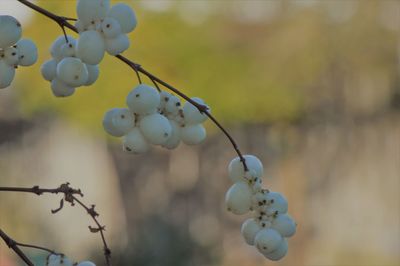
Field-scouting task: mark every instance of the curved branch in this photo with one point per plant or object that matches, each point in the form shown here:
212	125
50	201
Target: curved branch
63	22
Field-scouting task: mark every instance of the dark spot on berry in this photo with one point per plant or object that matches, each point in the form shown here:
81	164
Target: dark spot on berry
260	217
137	95
22	56
263	224
92	22
2	55
272	201
178	104
264	201
165	134
70	45
76	77
264	247
128	149
260	203
18	24
13	53
108	25
122	116
166	99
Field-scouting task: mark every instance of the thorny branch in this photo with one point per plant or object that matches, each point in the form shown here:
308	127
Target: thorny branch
69	196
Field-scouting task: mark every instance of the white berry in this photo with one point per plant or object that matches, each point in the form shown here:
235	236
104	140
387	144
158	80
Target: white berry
111	27
58	260
93	71
108	122
91	47
90	11
55	49
164	98
285	225
10	55
134	142
278	253
143	99
125	16
49	69
68	49
10	31
277	202
173	105
7	74
238	198
60	89
249	230
117	45
236	168
193	134
267	240
27	52
72	72
155	128
175	138
192	114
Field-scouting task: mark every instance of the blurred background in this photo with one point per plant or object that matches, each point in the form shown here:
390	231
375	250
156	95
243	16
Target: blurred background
310	87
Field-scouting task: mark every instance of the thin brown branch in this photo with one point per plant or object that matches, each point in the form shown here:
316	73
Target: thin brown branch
69	196
13	245
62	21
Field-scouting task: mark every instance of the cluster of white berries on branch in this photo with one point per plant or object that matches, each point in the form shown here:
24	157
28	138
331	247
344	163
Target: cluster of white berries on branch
14	51
62	260
101	29
270	225
155	118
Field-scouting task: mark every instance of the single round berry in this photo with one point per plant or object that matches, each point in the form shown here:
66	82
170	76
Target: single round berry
124	15
143	99
60	89
10	31
92	10
91	47
267	240
93	71
249	230
72	72
111	27
175	138
49	69
155	128
108	122
10	56
236	168
173	105
277	202
55	49
192	114
117	45
193	134
123	120
7	74
27	52
279	253
58	260
238	198
285	225
134	142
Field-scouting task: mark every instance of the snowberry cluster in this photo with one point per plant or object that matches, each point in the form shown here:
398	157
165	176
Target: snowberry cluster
13	51
155	118
270	225
66	71
101	29
62	260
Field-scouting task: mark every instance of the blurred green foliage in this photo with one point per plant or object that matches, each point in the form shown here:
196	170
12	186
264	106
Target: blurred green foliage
257	72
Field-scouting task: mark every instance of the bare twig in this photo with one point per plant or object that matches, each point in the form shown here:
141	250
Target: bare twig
69	196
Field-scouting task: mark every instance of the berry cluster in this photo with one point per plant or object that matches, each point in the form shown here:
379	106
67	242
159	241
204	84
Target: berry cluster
61	260
155	118
13	51
271	225
101	29
65	70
